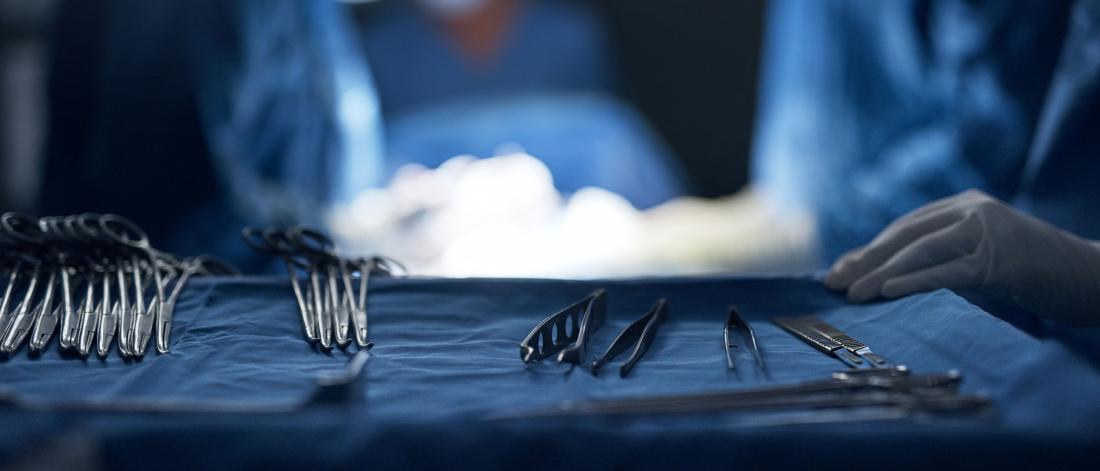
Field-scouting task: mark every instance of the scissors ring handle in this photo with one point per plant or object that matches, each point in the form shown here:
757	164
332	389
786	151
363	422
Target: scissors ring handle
87	225
72	230
254	238
385	265
279	242
212	266
21	228
124	231
312	242
52	230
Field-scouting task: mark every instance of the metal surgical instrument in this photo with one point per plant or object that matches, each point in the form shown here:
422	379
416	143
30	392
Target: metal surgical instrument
638	334
125	232
77	274
853	345
566	332
332	313
820	341
321	252
181	273
885	387
345	387
264	243
734	321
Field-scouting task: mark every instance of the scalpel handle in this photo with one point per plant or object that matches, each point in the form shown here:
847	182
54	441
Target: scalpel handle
849	343
819	341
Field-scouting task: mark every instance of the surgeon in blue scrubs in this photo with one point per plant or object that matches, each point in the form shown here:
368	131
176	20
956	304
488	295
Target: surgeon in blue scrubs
973	126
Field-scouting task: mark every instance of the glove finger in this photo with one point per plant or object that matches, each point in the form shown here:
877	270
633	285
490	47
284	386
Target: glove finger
955	274
839	276
857	264
948	243
934	206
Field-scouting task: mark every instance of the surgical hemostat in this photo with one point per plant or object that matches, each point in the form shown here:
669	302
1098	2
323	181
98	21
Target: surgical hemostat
87	278
332	311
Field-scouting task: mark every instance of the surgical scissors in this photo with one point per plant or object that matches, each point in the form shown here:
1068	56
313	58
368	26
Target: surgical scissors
182	272
271	242
321	252
329	306
123	231
98	263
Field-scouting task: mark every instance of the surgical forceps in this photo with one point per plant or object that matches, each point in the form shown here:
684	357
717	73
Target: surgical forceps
98	263
181	273
21	237
734	321
321	252
329	305
270	242
566	332
124	232
639	333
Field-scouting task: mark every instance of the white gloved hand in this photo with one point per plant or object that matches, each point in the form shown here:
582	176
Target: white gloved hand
972	240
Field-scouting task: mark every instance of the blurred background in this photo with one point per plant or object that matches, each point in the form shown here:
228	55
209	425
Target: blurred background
561	138
121	106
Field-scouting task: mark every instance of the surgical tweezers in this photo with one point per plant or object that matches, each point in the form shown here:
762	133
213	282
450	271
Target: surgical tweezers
735	322
639	333
566	332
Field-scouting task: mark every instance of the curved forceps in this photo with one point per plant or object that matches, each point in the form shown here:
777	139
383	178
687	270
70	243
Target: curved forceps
273	242
321	252
18	240
96	320
182	272
57	233
22	234
125	232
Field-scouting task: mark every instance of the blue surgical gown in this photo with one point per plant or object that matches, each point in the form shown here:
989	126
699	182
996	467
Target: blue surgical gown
870	109
547	91
195	118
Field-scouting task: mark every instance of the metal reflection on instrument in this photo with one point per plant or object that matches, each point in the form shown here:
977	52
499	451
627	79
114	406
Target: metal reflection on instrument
89	266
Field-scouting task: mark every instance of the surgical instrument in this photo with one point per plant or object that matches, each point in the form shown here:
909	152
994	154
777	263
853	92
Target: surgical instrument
332	313
884	387
182	272
638	334
321	255
819	341
345	387
127	233
265	243
89	266
848	342
566	332
734	321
